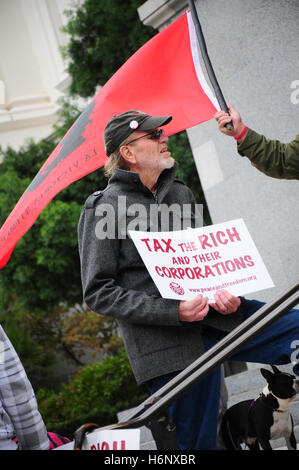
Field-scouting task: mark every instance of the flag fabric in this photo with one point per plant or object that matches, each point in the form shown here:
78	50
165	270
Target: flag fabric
163	77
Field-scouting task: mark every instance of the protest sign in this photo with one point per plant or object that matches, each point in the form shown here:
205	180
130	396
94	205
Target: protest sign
108	439
189	262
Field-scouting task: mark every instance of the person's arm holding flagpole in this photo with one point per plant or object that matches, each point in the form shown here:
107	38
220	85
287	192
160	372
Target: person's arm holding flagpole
272	157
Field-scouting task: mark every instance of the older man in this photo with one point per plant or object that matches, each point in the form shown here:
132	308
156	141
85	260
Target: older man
161	336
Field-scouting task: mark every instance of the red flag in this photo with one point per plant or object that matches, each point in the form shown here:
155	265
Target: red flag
162	78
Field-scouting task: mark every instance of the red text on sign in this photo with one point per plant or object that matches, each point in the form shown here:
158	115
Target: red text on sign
105	445
219	238
164	246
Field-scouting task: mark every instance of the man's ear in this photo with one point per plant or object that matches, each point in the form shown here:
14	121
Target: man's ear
127	154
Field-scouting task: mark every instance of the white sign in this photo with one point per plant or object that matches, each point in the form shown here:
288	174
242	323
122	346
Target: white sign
112	439
189	262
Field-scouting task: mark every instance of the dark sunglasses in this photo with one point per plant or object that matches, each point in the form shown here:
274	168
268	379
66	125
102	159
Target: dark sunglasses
155	135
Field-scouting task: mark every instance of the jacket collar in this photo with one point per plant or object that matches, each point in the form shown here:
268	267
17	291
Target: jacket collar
129	180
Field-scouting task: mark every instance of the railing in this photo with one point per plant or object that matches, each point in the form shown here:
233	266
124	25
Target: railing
153	412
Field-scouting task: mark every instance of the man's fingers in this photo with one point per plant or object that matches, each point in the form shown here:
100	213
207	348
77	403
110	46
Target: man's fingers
201	314
199	301
220	305
220	115
226	302
224	119
231	300
194	309
222	122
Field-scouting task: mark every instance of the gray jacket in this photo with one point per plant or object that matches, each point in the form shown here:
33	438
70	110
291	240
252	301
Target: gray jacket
116	282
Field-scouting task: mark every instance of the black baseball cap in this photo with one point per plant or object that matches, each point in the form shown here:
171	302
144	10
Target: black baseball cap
121	126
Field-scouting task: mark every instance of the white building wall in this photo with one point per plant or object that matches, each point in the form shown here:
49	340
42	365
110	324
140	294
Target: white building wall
32	73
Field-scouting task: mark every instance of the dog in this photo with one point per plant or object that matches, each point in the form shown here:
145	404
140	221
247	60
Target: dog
256	422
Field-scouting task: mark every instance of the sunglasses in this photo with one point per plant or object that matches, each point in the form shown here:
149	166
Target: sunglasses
155	135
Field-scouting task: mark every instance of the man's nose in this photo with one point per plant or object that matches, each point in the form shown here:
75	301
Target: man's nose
163	138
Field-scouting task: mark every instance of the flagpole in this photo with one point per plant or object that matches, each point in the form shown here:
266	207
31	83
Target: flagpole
207	62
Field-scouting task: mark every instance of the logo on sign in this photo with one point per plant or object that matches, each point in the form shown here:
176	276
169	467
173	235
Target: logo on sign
176	288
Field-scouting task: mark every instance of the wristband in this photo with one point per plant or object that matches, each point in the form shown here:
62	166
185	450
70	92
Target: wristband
241	134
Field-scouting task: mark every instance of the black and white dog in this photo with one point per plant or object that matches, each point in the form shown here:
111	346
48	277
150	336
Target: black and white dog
255	422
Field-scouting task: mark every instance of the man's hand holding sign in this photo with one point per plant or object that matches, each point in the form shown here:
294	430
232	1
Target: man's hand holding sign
197	308
193	310
225	302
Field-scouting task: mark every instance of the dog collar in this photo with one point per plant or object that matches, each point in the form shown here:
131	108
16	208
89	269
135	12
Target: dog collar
263	397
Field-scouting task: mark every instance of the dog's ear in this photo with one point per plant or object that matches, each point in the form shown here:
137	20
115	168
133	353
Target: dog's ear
275	370
267	374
